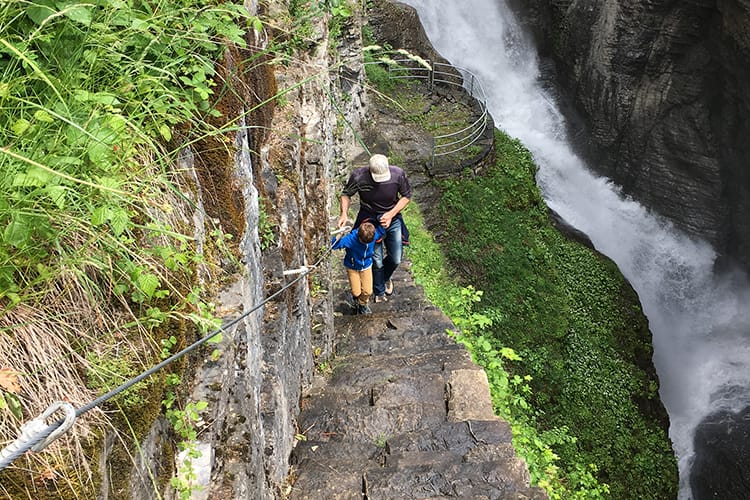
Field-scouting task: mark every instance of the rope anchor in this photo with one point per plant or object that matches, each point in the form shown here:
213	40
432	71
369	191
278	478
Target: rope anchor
300	270
31	430
70	417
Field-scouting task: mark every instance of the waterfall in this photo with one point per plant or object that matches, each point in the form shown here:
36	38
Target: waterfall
699	321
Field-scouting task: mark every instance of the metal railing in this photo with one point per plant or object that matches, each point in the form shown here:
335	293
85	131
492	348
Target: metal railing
445	74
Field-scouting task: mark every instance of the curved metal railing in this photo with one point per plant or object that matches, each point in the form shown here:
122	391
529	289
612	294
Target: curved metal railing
448	75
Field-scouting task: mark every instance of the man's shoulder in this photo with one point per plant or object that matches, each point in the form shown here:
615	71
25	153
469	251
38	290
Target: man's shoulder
359	181
397	171
360	172
360	175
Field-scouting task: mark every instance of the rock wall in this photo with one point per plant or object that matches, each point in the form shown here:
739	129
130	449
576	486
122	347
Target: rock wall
270	185
254	422
661	89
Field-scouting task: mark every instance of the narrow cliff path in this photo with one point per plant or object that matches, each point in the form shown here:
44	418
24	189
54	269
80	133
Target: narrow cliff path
405	412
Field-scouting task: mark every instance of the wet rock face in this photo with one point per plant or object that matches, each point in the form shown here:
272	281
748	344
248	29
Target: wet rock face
722	456
398	25
662	88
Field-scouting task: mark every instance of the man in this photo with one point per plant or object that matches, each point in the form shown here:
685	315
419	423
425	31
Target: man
384	191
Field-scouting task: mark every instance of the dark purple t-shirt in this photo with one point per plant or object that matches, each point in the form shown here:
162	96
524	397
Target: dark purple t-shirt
377	197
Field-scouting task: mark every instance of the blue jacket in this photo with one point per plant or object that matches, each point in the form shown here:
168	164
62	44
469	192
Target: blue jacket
358	255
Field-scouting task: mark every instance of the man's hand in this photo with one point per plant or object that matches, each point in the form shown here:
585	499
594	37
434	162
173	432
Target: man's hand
385	220
345	202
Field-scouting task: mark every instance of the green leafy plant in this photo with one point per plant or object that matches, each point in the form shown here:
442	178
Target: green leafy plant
184	422
266	229
97	253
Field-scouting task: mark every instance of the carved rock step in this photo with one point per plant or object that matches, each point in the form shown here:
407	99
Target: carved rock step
365	370
333	471
393	325
405	413
397	340
460	437
504	479
372	424
444	377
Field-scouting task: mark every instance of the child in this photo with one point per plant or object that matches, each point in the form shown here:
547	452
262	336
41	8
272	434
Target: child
359	245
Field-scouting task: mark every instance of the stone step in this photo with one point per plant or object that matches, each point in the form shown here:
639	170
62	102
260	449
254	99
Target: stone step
319	457
422	458
393	391
503	452
340	482
409	343
370	424
355	373
388	381
425	321
398	334
504	479
459	437
322	469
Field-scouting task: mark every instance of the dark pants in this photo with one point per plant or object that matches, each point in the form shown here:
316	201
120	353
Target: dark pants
384	266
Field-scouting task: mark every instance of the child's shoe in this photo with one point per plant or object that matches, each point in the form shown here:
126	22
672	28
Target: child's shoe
364	309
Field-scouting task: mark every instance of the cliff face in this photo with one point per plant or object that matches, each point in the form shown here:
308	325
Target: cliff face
271	185
661	88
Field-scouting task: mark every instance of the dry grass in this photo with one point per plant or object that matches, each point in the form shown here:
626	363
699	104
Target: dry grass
36	343
76	340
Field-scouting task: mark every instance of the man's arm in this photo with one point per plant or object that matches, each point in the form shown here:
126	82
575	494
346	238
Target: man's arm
345	202
386	218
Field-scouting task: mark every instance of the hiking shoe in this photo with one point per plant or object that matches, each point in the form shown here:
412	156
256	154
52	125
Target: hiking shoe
380	298
364	309
389	287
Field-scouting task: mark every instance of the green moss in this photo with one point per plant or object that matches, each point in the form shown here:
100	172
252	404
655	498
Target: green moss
572	317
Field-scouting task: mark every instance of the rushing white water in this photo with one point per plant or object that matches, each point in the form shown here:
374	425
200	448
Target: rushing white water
699	323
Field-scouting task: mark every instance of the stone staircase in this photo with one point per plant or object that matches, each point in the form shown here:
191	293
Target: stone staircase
405	413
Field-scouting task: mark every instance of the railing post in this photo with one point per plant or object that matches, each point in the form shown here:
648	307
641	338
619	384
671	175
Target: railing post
432	158
431	79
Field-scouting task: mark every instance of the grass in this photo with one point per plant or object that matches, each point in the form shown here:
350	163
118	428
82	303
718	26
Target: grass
97	257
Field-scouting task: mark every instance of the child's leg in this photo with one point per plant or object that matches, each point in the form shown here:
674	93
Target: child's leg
365	276
355	283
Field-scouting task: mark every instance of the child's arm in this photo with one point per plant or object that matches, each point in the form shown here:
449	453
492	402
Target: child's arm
379	233
344	242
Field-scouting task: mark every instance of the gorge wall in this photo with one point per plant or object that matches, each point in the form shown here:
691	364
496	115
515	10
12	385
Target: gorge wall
661	90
